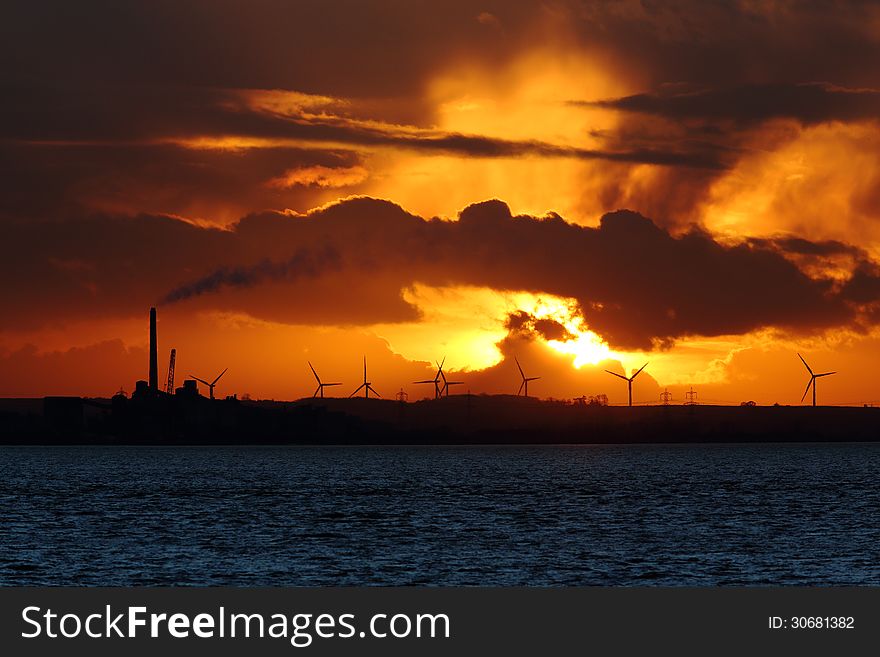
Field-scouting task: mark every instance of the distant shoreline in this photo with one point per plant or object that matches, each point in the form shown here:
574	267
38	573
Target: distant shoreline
454	420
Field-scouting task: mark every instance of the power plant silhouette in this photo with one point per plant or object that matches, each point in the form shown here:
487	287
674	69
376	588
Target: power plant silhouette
150	388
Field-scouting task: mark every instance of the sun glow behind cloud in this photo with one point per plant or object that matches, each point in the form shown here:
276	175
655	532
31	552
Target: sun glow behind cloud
468	323
587	347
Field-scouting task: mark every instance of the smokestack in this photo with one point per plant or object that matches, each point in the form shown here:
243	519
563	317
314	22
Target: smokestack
154	361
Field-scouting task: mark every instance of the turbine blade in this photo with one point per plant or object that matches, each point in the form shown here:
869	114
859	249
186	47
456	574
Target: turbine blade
365	369
331	384
619	376
812	380
317	390
314	372
373	390
825	374
805	364
431	381
357	391
533	378
199	380
639	372
218	376
520	387
521	373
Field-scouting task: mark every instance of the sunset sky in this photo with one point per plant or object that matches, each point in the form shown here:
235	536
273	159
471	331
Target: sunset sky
583	185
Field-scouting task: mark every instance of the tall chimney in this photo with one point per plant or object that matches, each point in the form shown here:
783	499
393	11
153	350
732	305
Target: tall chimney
154	361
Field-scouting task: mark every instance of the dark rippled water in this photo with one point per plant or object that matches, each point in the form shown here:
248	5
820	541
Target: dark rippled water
620	515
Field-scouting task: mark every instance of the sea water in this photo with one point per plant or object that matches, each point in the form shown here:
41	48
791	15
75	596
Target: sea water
694	515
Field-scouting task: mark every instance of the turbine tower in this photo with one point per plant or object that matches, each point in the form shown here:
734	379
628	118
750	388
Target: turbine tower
629	381
525	379
366	386
211	384
436	379
321	384
812	381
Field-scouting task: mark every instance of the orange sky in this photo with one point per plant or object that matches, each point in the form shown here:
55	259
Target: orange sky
318	193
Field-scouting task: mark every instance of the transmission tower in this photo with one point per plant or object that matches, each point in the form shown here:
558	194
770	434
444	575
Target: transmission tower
666	397
402	397
691	397
169	388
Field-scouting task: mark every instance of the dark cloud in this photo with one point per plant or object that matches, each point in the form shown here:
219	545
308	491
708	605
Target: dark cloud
489	147
523	322
822	258
394	44
269	44
699	43
63	116
799	245
754	103
105	266
637	284
864	285
45	180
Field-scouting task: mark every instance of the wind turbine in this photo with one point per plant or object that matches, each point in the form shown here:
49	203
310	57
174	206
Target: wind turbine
812	381
525	379
366	386
436	379
210	385
321	384
629	380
